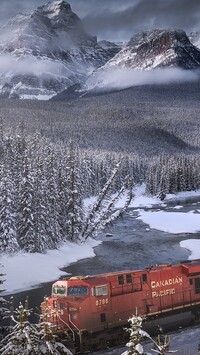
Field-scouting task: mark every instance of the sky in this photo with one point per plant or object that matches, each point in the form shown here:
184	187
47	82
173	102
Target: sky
34	268
119	19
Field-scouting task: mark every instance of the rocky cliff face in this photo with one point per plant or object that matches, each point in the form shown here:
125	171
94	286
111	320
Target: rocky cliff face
157	49
47	51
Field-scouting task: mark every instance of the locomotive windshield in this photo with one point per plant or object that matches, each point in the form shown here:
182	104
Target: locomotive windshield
59	290
77	291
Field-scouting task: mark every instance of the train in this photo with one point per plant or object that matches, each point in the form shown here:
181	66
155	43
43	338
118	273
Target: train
89	313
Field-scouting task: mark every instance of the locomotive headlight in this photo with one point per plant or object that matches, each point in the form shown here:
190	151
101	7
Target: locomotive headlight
75	316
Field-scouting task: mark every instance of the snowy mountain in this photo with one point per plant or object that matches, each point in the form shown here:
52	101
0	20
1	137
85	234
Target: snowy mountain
44	53
194	38
47	51
157	49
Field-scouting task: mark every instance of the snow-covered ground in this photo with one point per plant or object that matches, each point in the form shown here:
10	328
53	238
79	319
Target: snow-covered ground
25	271
172	222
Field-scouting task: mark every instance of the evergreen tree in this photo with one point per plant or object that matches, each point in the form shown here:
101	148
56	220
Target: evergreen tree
137	334
25	213
53	198
103	212
74	206
8	241
47	336
42	239
62	195
28	339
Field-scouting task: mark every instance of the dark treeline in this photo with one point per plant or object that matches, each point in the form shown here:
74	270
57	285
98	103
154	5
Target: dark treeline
173	173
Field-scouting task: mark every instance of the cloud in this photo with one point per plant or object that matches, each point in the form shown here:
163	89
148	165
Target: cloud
11	65
121	78
145	14
85	7
117	19
10	8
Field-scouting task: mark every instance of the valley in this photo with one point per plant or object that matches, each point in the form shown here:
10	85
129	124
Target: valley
149	119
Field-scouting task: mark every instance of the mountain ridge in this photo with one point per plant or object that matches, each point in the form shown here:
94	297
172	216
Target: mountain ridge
157	48
48	51
52	39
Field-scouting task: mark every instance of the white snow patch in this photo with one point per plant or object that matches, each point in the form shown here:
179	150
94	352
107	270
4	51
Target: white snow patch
194	246
171	222
25	270
37	97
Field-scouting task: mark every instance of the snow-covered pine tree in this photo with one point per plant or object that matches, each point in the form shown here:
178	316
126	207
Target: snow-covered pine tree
8	240
62	195
74	206
103	212
28	339
48	341
25	213
137	334
151	180
53	199
42	239
22	338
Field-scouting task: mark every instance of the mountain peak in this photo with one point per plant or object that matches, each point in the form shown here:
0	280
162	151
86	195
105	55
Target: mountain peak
48	51
165	35
55	7
60	14
158	48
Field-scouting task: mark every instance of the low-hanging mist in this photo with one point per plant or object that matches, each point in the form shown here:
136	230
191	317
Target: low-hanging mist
121	78
32	65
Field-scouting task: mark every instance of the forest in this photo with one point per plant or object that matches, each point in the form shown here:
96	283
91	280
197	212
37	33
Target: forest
149	134
43	186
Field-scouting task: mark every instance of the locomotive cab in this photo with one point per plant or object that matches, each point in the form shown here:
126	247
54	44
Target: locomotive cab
76	294
66	300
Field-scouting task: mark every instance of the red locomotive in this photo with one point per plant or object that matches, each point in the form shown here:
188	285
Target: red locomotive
93	310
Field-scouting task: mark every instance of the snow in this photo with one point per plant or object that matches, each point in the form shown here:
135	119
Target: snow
26	270
37	97
33	269
192	245
171	222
